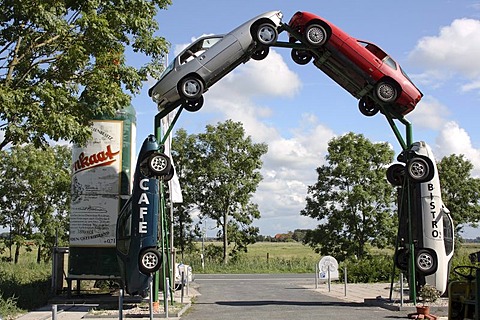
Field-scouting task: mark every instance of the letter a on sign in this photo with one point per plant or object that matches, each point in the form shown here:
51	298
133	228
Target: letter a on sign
143	199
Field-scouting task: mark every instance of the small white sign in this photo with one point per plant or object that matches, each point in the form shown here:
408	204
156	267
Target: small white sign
328	265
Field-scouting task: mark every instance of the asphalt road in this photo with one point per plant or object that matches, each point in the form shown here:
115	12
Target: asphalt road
272	297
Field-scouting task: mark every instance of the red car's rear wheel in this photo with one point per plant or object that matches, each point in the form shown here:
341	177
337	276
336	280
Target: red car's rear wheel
386	91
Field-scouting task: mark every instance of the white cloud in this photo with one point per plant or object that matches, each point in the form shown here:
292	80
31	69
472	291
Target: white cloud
455	140
454	51
429	114
289	166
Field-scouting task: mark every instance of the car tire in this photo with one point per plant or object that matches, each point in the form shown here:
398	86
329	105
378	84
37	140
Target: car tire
401	259
426	262
396	174
386	91
265	34
191	88
367	107
261	53
301	57
420	169
193	105
169	175
316	35
150	261
159	164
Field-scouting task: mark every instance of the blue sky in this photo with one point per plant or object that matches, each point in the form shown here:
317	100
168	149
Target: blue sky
298	109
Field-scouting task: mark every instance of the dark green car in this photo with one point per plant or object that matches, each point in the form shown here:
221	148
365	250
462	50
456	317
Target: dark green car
137	223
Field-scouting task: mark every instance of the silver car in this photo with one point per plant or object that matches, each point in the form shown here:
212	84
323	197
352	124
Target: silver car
210	58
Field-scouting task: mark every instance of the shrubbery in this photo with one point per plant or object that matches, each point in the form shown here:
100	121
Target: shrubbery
376	268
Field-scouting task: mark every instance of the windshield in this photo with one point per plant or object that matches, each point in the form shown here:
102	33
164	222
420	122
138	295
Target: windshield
167	69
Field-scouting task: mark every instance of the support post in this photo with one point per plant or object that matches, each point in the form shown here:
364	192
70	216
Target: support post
120	305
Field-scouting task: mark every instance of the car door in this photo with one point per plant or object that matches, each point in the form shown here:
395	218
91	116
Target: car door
220	54
367	56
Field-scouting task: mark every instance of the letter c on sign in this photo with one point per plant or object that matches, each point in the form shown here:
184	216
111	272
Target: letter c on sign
142	184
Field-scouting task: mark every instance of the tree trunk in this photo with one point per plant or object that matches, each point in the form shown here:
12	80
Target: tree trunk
39	254
225	243
17	253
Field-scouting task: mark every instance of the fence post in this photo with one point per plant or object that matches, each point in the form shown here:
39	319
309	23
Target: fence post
345	280
329	280
401	289
54	312
120	305
316	275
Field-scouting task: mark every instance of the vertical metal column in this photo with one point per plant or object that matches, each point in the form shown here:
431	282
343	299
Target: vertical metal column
405	146
163	221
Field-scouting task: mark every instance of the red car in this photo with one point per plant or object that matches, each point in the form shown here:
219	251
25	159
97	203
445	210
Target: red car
360	67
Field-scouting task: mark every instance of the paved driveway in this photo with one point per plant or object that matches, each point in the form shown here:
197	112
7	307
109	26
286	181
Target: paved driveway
273	297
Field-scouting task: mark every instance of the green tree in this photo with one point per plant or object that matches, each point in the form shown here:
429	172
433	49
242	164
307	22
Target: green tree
220	173
35	195
460	192
351	199
184	152
63	63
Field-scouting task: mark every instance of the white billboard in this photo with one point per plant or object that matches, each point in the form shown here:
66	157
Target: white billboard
96	186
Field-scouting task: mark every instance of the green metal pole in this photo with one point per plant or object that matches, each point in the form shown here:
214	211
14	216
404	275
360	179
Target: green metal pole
405	146
411	266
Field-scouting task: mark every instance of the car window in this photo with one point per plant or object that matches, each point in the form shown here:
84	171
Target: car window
198	48
447	233
390	62
376	51
124	230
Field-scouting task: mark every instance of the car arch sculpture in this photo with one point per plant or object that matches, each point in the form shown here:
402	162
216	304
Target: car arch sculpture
308	39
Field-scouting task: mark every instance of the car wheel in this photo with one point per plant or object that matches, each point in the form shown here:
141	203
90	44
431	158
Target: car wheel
301	57
266	34
261	53
401	259
194	105
150	261
159	164
396	174
169	175
420	169
191	88
426	262
316	35
367	107
386	91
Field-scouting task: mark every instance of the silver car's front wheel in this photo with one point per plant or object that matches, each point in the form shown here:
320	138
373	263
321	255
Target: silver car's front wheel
266	34
191	88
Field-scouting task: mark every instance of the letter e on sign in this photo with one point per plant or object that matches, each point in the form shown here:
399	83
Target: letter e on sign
142	227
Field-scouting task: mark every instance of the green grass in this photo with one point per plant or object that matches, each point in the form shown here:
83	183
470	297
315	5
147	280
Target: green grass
262	257
23	286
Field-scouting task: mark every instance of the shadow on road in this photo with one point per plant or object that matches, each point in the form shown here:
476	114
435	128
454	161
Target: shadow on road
292	303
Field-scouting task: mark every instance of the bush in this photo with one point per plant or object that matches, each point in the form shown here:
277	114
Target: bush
376	268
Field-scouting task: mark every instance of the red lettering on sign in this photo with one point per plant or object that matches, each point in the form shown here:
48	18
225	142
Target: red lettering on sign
102	158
